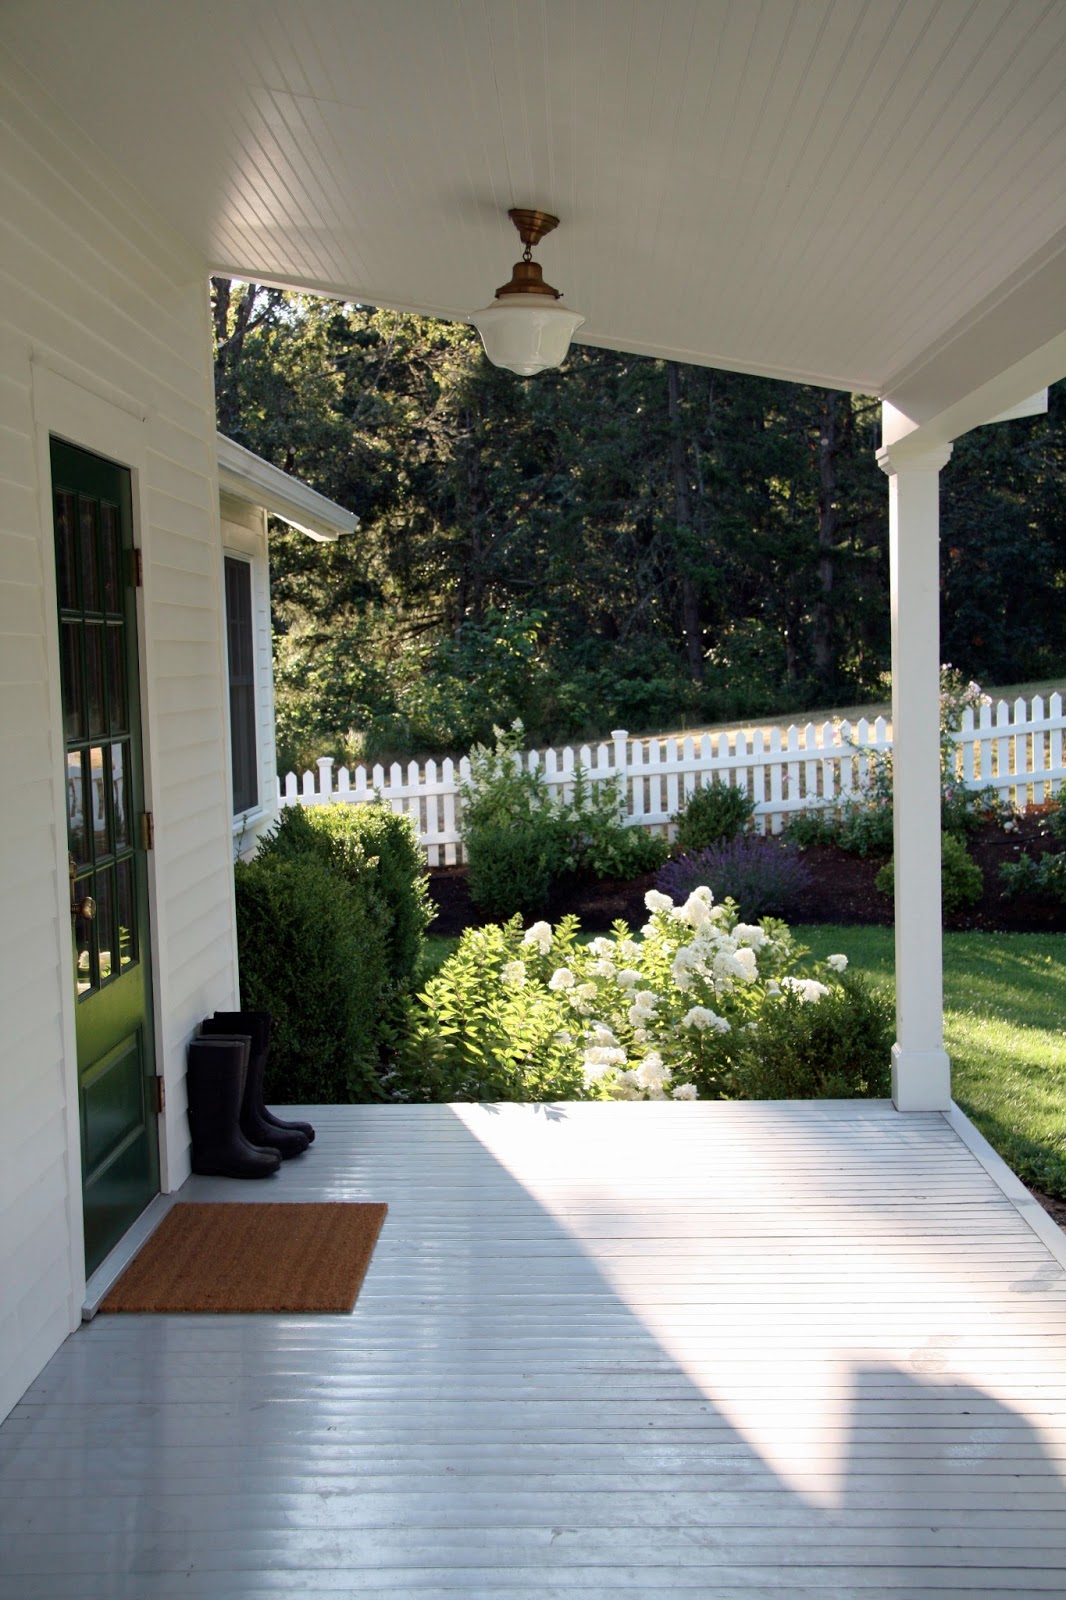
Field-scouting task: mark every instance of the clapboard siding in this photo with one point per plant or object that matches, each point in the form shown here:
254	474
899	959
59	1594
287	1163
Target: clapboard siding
95	294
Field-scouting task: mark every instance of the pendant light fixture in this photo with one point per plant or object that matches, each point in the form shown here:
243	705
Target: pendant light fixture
525	328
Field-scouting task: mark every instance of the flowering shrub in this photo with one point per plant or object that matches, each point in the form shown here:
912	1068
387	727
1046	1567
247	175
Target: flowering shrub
961	881
531	1014
765	876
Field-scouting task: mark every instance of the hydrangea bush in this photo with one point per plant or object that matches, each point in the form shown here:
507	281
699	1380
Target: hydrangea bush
532	1013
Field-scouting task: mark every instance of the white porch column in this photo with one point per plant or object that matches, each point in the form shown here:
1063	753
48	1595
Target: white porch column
921	1072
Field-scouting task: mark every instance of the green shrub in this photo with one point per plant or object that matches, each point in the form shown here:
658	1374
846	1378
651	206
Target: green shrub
1045	876
961	881
817	825
838	1049
625	853
313	957
866	828
512	868
379	856
477	1033
712	814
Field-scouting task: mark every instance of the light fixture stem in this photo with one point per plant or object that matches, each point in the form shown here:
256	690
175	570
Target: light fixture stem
527	253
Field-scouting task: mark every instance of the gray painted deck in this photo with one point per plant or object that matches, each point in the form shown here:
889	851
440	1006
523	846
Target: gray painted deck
700	1350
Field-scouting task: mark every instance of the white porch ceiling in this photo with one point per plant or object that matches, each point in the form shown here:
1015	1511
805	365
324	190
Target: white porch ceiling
863	193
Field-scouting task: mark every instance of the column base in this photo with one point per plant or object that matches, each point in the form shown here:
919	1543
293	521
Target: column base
921	1080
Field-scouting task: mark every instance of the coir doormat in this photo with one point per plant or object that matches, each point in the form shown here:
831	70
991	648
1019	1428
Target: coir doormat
252	1256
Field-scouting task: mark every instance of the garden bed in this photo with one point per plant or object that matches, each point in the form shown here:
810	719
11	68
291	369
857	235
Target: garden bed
841	891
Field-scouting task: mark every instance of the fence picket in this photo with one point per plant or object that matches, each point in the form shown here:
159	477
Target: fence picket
1016	749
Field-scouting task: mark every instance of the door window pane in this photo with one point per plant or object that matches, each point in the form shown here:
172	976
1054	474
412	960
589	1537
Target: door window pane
104	923
241	654
90	566
127	942
98	782
120	795
94	678
111	544
66	557
77	832
83	936
71	679
118	721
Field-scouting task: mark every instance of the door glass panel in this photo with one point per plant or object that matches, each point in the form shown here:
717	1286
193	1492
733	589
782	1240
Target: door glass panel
90	566
101	825
116	678
125	908
104	923
66	553
120	795
77	832
94	677
111	544
70	676
83	934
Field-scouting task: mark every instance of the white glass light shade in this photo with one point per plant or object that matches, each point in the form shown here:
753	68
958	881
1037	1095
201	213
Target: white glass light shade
526	333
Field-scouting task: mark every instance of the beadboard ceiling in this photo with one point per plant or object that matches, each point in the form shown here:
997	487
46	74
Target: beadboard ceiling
826	190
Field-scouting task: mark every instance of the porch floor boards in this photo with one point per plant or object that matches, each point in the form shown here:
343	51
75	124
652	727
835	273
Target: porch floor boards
718	1351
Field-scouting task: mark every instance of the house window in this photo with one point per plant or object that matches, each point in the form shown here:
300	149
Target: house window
241	685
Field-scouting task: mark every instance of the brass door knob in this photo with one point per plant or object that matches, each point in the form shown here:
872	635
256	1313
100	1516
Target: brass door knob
84	908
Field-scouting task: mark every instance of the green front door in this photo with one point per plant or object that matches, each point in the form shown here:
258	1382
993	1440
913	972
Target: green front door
105	837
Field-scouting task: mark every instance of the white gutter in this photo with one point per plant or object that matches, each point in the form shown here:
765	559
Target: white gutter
249	477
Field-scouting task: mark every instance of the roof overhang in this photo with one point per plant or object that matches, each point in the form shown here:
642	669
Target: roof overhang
249	477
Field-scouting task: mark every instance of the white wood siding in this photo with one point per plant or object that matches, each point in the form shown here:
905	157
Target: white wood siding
103	337
244	534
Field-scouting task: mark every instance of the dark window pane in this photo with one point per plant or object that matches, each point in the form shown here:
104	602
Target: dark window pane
127	932
116	678
120	794
104	923
111	543
94	678
99	781
77	832
71	677
90	564
66	561
240	642
83	934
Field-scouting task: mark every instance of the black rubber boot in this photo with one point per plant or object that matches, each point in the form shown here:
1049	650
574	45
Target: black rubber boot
288	1142
257	1025
216	1072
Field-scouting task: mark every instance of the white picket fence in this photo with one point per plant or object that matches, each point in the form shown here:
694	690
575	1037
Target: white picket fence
1017	750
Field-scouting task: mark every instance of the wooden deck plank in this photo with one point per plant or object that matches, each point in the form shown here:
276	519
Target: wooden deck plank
726	1351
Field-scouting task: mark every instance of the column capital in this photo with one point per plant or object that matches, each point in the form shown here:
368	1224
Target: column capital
906	457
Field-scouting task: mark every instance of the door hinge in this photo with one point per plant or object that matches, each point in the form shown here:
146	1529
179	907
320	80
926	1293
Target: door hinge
147	831
136	567
160	1095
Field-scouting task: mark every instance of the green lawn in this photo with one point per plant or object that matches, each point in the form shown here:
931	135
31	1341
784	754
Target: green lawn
1005	1028
1005	1025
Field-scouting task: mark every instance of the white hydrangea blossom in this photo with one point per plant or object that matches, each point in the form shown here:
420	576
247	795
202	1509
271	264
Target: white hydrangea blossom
703	1019
749	933
539	934
513	973
808	989
653	1071
684	1091
628	978
627	950
837	963
658	902
561	978
601	1034
602	968
602	946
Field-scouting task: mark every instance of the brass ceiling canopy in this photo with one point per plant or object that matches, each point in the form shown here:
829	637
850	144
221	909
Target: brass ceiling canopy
526	275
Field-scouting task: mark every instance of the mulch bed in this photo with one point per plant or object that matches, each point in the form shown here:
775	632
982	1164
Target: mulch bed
841	891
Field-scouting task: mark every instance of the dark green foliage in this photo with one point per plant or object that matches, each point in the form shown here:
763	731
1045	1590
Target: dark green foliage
513	866
765	876
837	1048
961	881
711	814
865	829
816	825
378	854
1045	875
312	956
624	853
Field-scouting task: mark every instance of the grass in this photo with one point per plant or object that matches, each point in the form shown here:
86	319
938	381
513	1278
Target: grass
1005	1029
